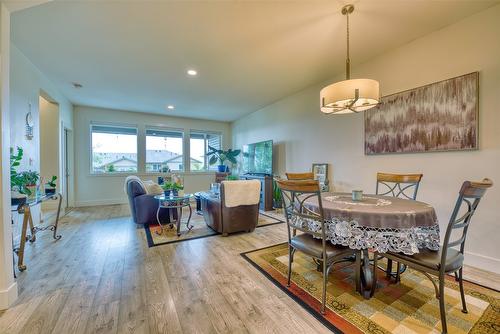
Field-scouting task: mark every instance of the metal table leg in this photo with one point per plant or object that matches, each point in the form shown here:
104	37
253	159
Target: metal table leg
367	279
20	253
189	227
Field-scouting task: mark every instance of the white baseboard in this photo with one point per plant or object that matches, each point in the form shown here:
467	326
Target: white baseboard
8	296
482	262
100	202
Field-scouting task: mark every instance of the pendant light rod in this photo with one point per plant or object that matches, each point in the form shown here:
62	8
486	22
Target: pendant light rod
346	10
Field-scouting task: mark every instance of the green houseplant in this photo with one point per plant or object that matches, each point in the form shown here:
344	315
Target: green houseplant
18	197
50	187
29	180
277	197
222	156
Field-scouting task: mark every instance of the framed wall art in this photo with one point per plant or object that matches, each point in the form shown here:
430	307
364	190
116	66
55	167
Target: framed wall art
442	116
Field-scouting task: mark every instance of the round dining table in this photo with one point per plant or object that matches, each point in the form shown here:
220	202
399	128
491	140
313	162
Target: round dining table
377	223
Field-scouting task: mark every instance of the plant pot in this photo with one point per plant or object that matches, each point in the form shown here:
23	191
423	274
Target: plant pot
32	189
221	168
18	201
277	204
175	192
167	193
50	191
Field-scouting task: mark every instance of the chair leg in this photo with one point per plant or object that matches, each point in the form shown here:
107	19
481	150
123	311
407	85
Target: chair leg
325	279
374	284
358	271
462	294
442	309
388	271
398	272
290	260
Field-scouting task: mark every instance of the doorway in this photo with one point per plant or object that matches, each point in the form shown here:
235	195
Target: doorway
49	149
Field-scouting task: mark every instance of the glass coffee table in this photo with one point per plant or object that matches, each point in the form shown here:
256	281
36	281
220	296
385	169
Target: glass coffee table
174	202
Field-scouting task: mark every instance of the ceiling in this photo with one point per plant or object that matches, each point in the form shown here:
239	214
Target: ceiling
133	55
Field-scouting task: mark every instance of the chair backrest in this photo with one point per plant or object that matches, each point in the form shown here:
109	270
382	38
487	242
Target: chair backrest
470	194
398	185
298	216
300	176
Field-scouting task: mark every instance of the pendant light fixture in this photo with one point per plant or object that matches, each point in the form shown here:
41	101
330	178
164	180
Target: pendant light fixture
350	95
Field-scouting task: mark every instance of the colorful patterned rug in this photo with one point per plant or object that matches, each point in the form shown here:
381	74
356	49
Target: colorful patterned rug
409	307
276	214
199	230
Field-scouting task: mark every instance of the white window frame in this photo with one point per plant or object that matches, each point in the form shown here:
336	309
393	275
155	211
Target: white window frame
112	125
167	129
204	133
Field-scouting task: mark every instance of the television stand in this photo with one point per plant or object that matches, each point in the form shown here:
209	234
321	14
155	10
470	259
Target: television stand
266	189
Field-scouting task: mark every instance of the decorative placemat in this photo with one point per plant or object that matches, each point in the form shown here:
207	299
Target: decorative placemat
408	307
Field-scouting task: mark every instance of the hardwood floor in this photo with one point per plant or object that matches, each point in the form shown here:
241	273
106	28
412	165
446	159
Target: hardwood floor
101	277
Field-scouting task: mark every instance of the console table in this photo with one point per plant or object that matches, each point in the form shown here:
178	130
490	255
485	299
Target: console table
25	210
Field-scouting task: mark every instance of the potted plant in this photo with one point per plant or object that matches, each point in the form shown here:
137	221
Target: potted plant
50	187
232	178
16	182
222	156
29	180
277	197
176	187
167	187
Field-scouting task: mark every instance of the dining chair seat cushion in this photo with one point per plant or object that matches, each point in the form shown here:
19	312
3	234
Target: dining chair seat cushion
432	259
314	247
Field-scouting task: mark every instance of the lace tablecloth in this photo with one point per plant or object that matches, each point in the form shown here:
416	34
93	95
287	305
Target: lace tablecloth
378	222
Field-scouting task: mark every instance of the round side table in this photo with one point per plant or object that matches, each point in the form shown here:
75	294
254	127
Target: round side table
174	203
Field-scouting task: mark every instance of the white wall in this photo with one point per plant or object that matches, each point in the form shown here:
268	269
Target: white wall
108	189
8	287
304	135
26	85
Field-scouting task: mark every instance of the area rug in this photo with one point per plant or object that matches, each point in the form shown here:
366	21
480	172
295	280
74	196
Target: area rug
409	307
276	214
199	230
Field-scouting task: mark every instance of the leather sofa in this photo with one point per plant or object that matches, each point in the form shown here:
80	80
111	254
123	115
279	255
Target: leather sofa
229	219
143	206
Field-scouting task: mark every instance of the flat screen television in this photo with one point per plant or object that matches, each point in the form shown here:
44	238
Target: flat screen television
258	158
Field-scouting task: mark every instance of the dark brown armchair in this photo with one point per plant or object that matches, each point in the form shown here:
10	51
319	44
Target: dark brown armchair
448	259
236	209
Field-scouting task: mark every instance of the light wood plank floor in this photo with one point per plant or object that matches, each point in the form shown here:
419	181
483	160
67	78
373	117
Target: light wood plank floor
101	277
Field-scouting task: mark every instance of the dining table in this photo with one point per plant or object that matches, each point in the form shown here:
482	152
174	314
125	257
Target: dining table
378	224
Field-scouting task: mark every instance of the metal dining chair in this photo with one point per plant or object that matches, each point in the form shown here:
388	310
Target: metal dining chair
300	176
398	185
448	260
401	186
313	241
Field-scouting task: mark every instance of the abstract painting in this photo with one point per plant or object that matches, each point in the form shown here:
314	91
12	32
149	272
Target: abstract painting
442	116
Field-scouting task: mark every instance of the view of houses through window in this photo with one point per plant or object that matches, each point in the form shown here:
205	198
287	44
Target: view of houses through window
114	149
164	151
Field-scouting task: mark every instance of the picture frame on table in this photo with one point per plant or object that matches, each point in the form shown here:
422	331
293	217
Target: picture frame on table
320	171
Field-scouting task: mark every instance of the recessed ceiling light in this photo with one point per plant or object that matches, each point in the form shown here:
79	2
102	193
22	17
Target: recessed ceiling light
171	107
192	72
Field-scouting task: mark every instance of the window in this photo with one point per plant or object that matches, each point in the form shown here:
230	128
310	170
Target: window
164	150
199	142
114	149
